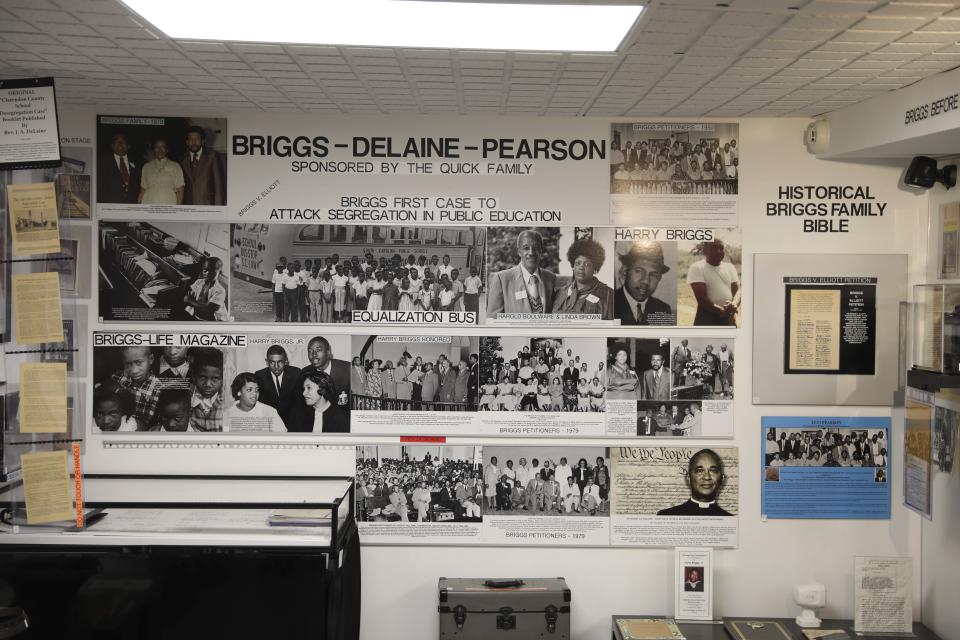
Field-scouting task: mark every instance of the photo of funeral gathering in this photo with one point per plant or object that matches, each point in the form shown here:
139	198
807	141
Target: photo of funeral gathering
419	483
546	481
542	374
410	373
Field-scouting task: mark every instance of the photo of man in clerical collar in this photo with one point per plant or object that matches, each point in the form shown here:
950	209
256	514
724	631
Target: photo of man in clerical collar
705	480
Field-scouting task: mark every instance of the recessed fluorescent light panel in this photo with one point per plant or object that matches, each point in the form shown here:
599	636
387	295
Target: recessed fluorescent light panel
395	23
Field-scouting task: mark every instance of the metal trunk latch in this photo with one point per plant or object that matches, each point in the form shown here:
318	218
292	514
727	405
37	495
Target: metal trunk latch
459	616
506	620
552	615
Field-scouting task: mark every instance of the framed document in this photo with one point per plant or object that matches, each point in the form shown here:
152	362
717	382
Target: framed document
29	133
693	589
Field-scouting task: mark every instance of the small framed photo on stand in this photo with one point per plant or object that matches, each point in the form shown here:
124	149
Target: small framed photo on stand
693	576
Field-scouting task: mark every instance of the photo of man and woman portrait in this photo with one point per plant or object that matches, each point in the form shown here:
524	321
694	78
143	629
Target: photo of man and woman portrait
161	161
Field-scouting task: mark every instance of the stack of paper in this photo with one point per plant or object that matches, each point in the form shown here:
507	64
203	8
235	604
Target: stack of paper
299	518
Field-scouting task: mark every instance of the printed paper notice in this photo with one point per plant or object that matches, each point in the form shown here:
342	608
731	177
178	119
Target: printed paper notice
43	397
815	329
33	218
36	303
831	325
47	488
882	595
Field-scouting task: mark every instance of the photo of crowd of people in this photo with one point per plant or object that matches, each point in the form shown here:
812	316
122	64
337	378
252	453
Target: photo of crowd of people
546	481
668	159
682	283
323	273
419	483
161	161
391	373
542	374
702	368
562	271
228	390
842	447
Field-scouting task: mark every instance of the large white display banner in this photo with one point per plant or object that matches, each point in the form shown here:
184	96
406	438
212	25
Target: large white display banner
359	170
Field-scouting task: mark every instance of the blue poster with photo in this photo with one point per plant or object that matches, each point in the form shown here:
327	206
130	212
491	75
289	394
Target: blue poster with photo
825	467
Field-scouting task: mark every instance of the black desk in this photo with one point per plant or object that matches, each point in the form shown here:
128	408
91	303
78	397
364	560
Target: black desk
708	631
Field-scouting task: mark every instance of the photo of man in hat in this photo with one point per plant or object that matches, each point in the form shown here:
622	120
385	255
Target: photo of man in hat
642	268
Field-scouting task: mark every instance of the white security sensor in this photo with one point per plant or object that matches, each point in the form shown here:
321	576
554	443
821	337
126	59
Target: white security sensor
810	597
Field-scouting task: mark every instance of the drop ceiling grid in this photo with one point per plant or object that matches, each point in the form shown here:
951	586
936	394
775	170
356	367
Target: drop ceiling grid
685	58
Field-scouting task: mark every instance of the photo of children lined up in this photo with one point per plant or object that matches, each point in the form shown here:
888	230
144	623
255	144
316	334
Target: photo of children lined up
542	374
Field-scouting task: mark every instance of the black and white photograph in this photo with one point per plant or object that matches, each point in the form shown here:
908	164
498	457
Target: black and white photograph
522	270
326	273
676	481
72	349
161	161
566	271
64	263
165	271
73	196
708	276
638	369
945	426
645	282
673	418
829	447
419	483
414	373
701	368
547	481
304	378
679	173
542	374
292	384
702	159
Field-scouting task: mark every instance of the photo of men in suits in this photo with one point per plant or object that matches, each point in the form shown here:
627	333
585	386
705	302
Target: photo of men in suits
527	287
642	269
656	380
202	173
280	383
321	360
129	172
118	175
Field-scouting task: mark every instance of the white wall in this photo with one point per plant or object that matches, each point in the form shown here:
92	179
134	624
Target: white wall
758	577
399	593
939	573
